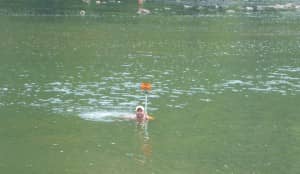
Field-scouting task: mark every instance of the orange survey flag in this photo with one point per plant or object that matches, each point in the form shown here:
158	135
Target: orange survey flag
146	86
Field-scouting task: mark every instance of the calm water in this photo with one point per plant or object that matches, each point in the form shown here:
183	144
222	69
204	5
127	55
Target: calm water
225	93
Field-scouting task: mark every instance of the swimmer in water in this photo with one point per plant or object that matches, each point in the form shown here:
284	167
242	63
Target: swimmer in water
140	114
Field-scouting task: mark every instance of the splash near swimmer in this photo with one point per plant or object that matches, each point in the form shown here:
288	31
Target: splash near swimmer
105	116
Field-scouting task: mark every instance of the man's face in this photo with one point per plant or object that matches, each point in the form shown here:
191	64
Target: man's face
139	113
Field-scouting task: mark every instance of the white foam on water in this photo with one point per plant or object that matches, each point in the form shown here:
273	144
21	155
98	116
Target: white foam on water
236	82
106	116
289	69
3	90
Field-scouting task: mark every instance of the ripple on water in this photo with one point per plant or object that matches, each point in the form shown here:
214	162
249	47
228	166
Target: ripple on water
120	92
289	69
284	80
77	98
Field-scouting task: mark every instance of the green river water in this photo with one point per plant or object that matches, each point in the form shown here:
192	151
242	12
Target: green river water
225	93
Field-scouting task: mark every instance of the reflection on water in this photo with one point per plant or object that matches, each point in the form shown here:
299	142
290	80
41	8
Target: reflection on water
145	143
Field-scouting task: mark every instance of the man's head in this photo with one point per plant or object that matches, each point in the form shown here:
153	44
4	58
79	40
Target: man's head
139	112
139	108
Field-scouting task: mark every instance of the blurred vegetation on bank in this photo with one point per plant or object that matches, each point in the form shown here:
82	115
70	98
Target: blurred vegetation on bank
98	7
64	7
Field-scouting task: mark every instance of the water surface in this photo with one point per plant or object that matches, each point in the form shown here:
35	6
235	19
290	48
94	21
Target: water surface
225	93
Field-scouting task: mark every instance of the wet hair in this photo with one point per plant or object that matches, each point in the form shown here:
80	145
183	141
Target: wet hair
139	107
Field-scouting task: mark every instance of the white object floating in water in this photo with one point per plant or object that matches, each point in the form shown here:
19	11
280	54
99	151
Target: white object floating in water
98	2
82	12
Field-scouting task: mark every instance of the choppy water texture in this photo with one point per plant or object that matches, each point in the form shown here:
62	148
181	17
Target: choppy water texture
225	93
